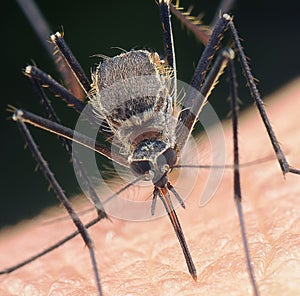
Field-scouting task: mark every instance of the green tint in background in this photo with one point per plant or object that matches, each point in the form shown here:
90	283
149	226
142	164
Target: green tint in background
270	33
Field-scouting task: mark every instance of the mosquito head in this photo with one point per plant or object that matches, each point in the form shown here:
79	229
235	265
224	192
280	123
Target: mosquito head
153	159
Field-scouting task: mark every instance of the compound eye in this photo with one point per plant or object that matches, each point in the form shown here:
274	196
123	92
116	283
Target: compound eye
167	159
140	167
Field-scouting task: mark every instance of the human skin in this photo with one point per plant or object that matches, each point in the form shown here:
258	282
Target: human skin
144	258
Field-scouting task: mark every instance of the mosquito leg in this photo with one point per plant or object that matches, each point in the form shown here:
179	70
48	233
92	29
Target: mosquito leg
224	7
43	31
51	114
70	236
44	79
236	171
187	116
194	100
154	200
190	115
71	61
207	56
70	134
285	167
167	33
38	23
62	198
49	249
193	24
164	9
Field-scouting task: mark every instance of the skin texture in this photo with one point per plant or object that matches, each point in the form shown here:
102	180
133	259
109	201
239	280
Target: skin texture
145	258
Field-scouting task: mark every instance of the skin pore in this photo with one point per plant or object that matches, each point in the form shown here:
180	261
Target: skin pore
144	258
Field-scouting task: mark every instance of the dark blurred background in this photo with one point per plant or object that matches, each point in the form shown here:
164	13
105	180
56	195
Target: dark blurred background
270	33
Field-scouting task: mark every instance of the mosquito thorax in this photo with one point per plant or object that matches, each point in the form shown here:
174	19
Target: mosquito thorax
153	159
132	95
129	84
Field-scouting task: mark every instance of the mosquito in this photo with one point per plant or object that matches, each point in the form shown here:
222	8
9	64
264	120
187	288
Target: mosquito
131	100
